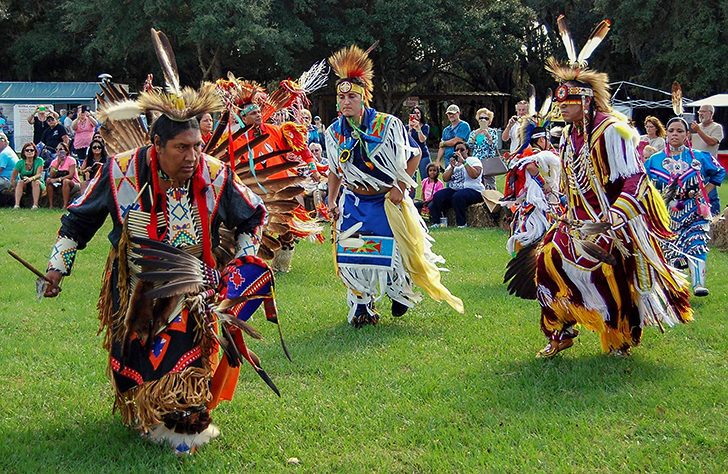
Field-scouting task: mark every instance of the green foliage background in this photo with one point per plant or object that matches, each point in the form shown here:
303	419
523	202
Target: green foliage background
428	45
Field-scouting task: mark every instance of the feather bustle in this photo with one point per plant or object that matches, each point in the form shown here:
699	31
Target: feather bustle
531	100
546	106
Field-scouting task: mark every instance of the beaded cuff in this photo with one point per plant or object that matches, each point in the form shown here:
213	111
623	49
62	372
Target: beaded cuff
248	244
63	255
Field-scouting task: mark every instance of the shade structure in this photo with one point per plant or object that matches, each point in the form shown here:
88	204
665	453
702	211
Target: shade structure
717	100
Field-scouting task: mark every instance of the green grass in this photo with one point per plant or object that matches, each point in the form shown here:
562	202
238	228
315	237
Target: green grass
433	391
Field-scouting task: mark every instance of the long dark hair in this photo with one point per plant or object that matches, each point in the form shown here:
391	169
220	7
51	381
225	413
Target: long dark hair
90	154
167	129
423	119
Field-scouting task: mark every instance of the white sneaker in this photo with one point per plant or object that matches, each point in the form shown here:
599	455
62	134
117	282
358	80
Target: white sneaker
462	226
34	208
16	207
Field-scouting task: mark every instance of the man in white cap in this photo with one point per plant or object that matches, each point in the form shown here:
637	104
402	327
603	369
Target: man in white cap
457	132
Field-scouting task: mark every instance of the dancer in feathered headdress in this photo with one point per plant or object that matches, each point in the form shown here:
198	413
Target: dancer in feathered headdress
532	182
271	157
686	177
382	245
163	300
601	265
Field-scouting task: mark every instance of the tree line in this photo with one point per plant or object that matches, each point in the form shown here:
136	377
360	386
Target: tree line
424	46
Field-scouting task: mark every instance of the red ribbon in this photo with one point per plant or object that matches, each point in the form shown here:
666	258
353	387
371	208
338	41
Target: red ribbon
231	142
198	192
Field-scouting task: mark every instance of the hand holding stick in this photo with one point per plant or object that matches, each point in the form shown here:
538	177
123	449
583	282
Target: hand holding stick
46	285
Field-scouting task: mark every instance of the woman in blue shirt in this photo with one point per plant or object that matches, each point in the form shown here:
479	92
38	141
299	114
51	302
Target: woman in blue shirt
484	142
686	177
419	130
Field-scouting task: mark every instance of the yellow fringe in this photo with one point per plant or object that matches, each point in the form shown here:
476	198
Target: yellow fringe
406	227
612	282
568	313
619	338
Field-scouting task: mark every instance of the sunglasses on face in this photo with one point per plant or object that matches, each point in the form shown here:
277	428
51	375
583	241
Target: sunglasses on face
95	147
484	118
28	150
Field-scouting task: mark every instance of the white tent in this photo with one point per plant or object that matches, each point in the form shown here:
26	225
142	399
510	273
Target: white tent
717	100
624	102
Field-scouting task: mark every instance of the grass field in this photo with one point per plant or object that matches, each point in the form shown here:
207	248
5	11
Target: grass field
433	391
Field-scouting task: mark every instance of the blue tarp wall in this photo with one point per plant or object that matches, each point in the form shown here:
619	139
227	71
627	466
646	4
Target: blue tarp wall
44	92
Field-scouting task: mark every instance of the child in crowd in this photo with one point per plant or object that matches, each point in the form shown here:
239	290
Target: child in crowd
647	152
430	185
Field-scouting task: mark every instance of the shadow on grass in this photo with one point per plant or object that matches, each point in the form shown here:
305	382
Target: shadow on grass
75	447
568	383
317	345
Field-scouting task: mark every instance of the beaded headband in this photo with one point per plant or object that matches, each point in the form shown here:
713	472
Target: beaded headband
565	92
249	108
678	119
348	86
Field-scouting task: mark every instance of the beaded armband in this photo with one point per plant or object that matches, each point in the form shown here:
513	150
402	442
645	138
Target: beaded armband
539	179
63	255
248	245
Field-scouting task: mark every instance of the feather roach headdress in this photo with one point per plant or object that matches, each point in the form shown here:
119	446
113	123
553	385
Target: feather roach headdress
240	94
355	71
534	124
588	83
293	93
177	103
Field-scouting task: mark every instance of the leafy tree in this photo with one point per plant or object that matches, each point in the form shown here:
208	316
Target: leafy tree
671	40
430	45
476	43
